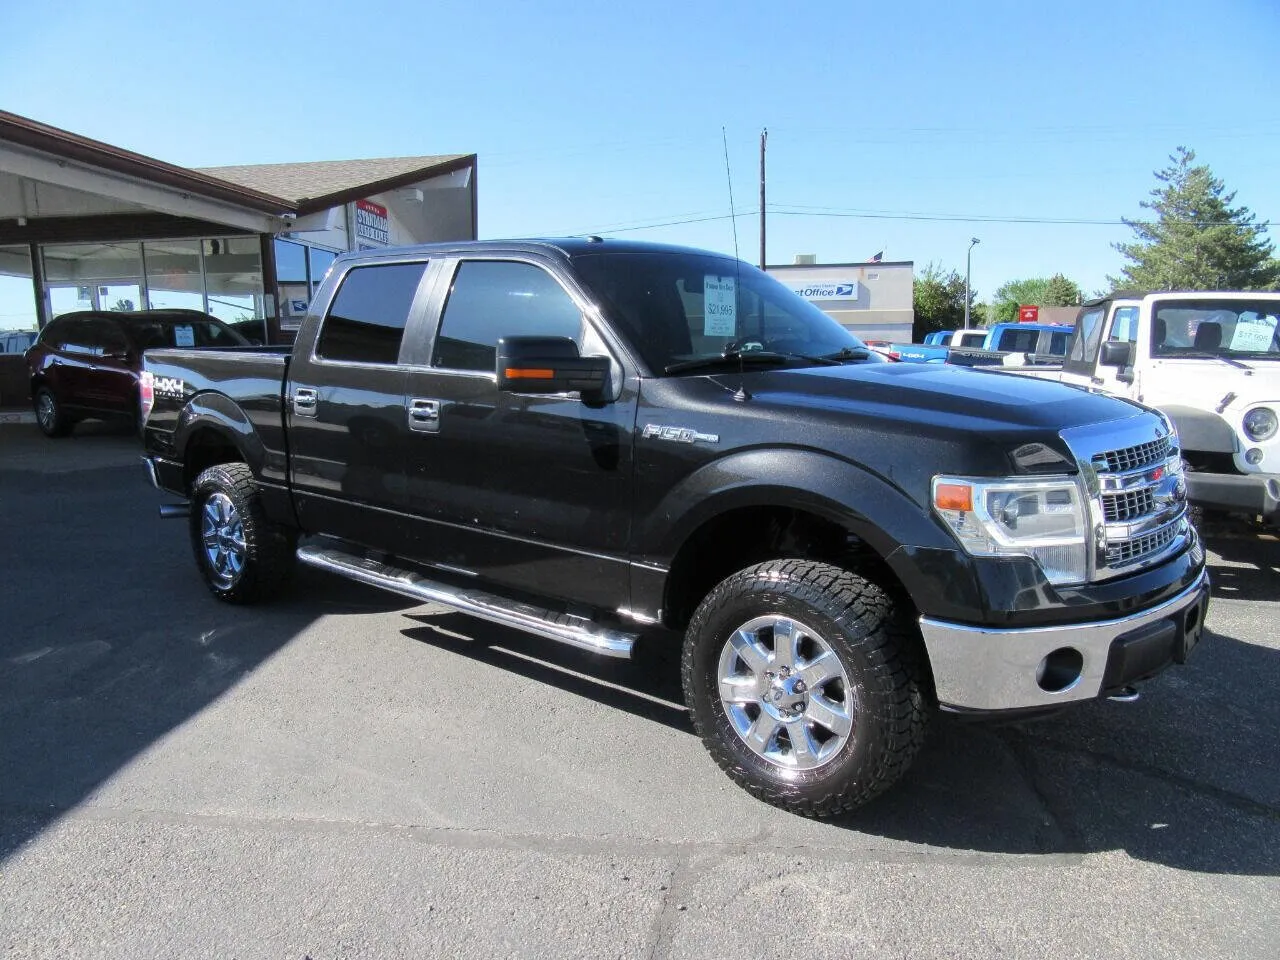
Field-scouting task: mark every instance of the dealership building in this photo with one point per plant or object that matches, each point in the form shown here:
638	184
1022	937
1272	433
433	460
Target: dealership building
85	225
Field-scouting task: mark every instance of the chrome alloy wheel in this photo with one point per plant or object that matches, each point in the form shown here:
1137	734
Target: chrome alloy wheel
46	411
785	692
222	533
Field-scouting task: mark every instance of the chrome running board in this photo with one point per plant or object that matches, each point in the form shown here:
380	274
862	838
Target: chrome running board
575	631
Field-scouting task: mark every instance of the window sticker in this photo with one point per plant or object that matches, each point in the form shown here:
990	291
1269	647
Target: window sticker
1253	333
719	306
184	335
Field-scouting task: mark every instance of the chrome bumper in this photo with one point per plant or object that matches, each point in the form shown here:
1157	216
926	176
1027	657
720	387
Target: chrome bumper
980	669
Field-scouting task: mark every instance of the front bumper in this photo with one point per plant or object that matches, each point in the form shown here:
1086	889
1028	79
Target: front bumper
988	670
1258	493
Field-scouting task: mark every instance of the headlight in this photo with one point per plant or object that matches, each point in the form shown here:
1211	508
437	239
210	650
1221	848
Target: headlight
1260	423
1042	519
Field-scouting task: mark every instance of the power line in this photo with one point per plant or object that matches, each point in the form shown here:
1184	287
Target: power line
989	218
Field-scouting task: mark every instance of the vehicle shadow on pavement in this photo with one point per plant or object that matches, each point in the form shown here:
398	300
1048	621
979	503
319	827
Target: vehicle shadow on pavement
1187	777
109	640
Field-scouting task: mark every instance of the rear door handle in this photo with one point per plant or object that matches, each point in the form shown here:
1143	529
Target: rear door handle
424	415
305	402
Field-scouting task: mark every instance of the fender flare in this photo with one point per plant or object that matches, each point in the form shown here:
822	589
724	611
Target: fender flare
216	412
870	506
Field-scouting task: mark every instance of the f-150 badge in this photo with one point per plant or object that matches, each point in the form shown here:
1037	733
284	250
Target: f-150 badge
678	434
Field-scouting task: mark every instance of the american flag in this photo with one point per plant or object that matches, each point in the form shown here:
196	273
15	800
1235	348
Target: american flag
876	257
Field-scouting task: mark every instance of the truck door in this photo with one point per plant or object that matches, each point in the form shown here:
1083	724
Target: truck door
345	406
1122	327
530	491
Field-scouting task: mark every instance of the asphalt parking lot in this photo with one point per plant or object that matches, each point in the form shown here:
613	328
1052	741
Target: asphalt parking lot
344	774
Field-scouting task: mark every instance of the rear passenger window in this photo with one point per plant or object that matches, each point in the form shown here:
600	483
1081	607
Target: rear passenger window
366	322
491	299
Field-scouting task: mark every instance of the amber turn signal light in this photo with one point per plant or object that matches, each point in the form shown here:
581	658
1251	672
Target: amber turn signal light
529	373
953	496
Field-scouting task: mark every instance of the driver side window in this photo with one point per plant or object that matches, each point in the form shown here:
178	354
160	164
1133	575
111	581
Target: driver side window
490	299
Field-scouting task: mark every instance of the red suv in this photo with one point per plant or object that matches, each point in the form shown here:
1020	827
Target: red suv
86	365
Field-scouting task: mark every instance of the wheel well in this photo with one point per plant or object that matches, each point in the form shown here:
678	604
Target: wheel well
205	449
749	535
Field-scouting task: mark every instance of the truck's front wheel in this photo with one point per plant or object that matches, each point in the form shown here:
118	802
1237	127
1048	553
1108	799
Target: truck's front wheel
805	686
243	557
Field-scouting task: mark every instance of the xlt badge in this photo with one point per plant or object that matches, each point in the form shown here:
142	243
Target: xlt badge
678	434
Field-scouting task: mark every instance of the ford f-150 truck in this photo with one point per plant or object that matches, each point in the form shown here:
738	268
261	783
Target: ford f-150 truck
589	439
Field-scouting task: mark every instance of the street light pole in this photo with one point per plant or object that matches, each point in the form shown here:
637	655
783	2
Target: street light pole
968	264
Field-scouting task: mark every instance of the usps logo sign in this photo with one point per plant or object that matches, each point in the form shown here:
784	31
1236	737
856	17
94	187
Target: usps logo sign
840	290
372	223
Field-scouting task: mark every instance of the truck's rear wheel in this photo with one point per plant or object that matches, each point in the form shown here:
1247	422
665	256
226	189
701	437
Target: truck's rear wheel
805	686
243	557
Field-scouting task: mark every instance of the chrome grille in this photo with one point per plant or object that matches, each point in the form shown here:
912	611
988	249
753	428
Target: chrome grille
1136	490
1129	505
1128	552
1132	458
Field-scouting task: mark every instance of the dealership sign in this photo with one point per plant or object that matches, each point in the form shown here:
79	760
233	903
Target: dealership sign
372	223
841	290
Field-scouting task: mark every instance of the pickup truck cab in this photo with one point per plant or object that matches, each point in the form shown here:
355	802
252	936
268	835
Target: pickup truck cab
1016	344
590	439
1211	362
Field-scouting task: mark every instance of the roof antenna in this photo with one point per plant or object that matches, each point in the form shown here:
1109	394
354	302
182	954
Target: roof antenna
740	394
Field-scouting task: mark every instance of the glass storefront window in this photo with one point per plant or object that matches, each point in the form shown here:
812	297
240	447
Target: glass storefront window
18	317
321	261
93	276
291	262
233	282
173	275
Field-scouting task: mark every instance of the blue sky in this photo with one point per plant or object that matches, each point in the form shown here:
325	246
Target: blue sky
591	117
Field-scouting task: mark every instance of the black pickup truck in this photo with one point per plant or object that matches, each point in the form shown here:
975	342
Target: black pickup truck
590	439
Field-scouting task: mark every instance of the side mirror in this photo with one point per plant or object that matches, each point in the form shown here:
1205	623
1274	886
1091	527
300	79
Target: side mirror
548	365
1116	353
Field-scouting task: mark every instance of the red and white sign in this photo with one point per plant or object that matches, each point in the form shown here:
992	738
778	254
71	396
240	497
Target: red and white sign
1028	314
372	223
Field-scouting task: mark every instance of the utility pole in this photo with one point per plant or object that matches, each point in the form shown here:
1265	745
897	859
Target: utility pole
764	136
968	263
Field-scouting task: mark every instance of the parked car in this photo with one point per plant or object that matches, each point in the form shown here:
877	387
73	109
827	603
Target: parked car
1015	344
86	365
585	439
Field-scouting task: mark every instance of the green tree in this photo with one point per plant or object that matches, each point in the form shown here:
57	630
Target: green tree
938	299
1055	291
1197	240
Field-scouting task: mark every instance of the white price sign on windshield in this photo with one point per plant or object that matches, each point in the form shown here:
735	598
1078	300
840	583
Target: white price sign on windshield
719	306
1253	334
184	336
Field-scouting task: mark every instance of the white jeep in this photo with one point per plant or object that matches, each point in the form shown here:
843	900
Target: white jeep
1211	363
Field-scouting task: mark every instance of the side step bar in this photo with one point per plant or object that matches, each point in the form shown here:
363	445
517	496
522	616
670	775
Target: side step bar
575	631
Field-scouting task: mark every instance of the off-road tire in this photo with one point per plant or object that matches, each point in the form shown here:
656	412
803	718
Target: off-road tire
51	418
879	650
269	556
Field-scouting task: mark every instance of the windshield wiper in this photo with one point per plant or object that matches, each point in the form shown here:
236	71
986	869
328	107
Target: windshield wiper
732	357
735	356
1202	355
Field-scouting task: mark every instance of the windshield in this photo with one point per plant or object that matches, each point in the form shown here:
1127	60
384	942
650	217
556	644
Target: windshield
678	307
1220	328
195	332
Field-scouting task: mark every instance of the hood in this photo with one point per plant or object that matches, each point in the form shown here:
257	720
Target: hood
1204	384
938	397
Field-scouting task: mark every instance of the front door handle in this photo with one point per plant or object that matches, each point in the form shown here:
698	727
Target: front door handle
424	415
305	402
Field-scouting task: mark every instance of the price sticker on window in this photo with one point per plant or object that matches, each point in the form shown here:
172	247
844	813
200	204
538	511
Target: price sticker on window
1253	333
719	306
184	336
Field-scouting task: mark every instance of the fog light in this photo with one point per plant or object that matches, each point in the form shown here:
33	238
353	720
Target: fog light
1254	456
1060	670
